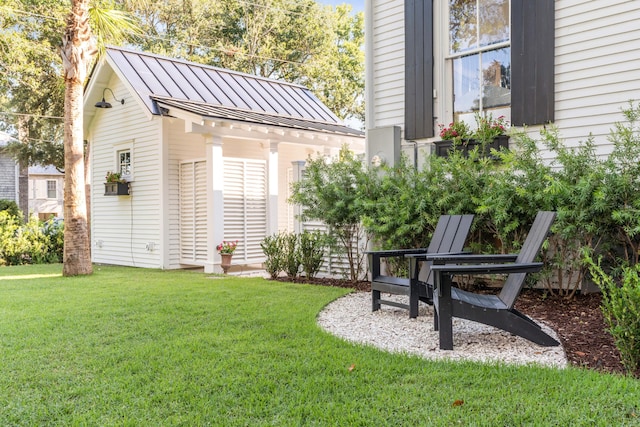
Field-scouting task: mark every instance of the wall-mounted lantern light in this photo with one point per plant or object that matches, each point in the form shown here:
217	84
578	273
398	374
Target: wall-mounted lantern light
105	104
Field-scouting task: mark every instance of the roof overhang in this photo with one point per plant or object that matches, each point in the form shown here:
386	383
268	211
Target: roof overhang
225	121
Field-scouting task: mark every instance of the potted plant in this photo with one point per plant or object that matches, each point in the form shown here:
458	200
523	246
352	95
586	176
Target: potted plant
490	133
115	185
226	250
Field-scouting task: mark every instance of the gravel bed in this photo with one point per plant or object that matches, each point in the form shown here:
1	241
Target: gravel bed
390	328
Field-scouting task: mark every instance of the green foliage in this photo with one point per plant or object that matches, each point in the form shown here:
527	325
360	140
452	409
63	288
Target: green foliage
11	207
596	198
300	42
53	229
335	192
621	310
290	255
272	249
289	252
312	250
620	189
31	78
33	242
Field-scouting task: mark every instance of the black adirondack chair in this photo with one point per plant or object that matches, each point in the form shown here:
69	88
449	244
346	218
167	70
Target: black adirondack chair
448	237
494	310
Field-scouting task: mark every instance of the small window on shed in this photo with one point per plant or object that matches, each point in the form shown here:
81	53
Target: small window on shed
124	163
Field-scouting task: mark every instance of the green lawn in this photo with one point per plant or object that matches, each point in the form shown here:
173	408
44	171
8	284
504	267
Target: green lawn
133	347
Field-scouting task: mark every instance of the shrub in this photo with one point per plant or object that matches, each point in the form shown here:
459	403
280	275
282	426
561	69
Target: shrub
312	249
34	242
621	310
335	192
290	255
54	230
272	249
11	207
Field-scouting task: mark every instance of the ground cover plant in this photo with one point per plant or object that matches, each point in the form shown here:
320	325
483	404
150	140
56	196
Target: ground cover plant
145	347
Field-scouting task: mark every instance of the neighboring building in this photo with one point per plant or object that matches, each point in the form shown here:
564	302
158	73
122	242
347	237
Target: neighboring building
46	192
570	62
208	154
9	172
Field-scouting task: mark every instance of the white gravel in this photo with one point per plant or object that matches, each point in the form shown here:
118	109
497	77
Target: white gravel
390	328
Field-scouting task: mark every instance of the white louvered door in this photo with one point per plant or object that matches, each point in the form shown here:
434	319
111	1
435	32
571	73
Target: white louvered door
245	207
193	212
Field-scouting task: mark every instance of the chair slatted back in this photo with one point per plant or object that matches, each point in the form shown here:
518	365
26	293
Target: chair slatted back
449	236
530	248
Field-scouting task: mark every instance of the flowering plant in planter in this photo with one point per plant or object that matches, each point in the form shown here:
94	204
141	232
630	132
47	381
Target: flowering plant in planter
114	177
489	134
456	131
489	128
227	247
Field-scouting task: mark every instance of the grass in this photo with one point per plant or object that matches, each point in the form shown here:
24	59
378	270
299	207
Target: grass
133	347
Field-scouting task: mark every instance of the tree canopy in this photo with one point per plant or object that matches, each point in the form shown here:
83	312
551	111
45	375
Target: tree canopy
298	41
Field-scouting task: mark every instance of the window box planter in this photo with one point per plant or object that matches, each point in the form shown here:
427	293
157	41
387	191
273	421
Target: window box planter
443	148
116	188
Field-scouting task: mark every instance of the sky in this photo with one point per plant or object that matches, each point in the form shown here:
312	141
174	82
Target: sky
358	5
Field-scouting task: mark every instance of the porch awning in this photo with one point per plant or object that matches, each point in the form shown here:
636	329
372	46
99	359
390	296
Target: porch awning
216	112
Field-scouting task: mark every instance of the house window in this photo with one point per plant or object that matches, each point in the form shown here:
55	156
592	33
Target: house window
52	189
480	53
124	163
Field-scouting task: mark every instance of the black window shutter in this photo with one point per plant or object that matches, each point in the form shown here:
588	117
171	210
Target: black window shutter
532	62
418	104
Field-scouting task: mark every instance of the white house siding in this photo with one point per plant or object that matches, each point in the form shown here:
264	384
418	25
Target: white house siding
597	66
126	229
385	98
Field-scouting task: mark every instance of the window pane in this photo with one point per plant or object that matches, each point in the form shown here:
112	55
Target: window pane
463	25
496	78
466	84
51	190
494	21
125	163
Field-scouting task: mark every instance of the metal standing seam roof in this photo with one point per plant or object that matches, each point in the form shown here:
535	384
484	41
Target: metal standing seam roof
220	93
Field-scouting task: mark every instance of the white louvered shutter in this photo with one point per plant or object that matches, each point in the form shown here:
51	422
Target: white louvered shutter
245	207
193	212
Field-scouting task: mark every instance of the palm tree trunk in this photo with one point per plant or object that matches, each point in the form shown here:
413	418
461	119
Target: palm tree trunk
77	52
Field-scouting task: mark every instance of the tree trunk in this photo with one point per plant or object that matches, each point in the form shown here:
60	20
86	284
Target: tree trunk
77	52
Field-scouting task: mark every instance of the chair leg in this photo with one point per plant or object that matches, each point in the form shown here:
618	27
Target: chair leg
414	297
413	305
445	323
444	311
375	300
436	325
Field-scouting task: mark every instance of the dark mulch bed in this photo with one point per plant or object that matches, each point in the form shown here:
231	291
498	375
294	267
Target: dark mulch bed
578	322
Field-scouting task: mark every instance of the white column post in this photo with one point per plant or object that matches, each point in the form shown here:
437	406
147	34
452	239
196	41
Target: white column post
215	202
272	227
298	168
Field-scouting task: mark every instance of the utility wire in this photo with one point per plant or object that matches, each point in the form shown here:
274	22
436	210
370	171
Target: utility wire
31	115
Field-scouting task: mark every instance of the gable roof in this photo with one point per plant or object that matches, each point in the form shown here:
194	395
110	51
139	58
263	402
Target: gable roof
220	93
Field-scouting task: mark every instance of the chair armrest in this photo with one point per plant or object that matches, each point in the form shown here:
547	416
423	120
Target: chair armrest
427	256
487	268
397	252
471	258
375	258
